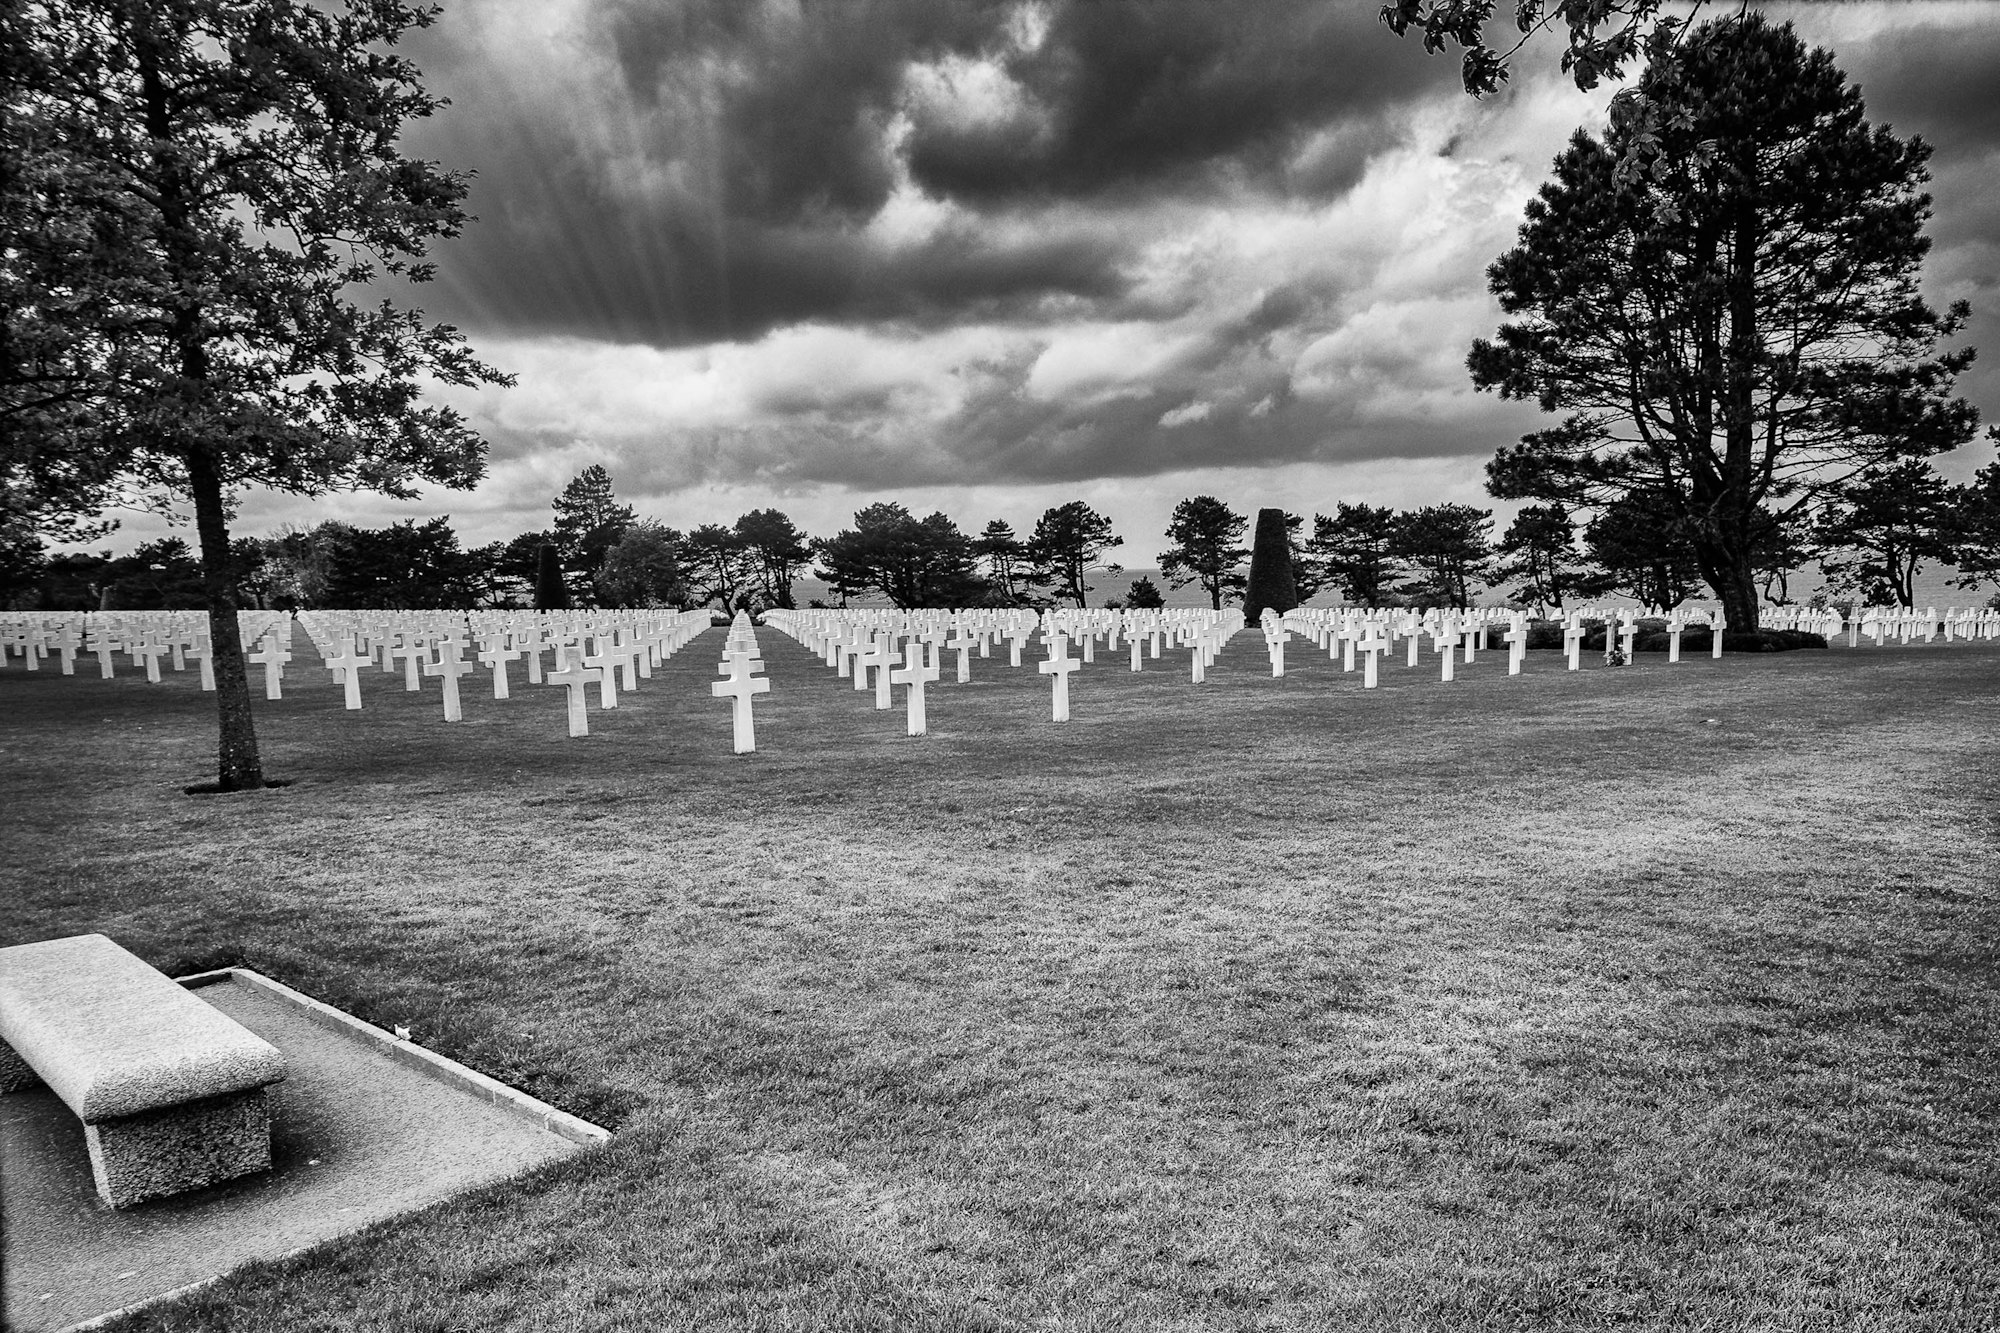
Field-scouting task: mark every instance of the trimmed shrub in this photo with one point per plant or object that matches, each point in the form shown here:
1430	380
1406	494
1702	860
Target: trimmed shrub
1272	582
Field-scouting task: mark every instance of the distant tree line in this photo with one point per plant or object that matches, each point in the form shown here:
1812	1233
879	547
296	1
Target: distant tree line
1870	544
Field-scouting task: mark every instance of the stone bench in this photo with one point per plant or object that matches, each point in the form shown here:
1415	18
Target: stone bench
170	1089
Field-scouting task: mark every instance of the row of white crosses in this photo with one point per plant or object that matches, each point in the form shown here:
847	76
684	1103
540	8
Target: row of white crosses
611	650
856	642
149	638
740	664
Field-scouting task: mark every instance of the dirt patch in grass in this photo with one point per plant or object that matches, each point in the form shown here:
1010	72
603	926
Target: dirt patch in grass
1656	997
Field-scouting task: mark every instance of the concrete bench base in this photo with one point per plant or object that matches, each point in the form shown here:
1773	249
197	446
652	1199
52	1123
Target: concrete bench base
178	1148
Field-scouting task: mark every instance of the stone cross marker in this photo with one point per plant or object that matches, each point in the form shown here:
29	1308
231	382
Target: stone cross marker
961	643
915	673
272	656
740	688
1059	666
346	669
575	678
882	657
411	648
495	655
1371	646
448	668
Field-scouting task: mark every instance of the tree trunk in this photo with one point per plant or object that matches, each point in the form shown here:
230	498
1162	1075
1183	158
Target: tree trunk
1738	592
239	768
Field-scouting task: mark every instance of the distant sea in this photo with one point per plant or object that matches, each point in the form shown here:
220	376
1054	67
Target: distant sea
1934	588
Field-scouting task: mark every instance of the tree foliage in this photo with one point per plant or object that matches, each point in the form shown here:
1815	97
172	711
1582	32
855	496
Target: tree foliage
194	194
1355	546
1203	535
777	551
1539	555
1886	527
1013	576
720	567
1641	548
1738	330
645	569
589	521
913	562
1604	36
1069	541
1447	548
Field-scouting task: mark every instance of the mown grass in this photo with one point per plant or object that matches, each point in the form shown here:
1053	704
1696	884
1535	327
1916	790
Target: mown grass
1659	997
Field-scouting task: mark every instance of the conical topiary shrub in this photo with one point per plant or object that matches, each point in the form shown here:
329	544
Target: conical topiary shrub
1272	582
551	593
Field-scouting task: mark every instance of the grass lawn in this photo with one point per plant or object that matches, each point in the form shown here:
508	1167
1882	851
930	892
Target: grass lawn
1660	997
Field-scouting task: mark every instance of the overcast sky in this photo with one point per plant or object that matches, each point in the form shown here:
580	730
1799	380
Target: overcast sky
993	256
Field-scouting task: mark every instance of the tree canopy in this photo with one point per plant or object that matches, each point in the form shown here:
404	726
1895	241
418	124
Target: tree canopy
1737	331
194	194
1203	535
1068	542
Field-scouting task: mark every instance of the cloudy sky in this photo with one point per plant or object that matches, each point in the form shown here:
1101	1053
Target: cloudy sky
993	255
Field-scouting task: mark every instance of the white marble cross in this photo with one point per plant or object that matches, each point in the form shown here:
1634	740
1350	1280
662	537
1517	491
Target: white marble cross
346	669
881	657
1573	636
495	655
413	650
1059	666
1718	624
740	688
1371	646
150	650
1517	642
915	673
576	679
272	656
448	668
605	662
961	643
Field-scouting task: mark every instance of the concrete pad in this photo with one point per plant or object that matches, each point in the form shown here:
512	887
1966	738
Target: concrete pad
363	1128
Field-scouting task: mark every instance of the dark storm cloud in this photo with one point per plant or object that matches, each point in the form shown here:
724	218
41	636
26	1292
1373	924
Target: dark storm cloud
1159	94
686	172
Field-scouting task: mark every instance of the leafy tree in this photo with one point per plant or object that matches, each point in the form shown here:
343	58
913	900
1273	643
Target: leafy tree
1784	550
645	568
720	567
23	564
1603	35
160	575
192	193
1447	547
1539	550
405	566
778	553
1978	530
1011	570
1355	546
1203	534
913	562
1878	536
589	522
1271	582
1069	541
1144	595
1641	548
1737	330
